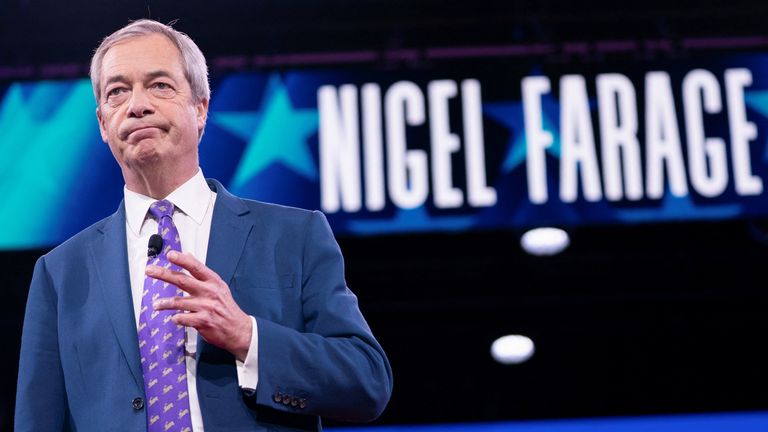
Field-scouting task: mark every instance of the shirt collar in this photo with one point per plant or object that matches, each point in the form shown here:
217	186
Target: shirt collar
192	198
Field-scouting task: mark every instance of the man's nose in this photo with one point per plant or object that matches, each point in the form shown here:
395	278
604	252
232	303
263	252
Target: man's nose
139	105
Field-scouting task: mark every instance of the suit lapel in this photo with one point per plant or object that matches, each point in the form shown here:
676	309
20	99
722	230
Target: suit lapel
109	256
229	232
226	243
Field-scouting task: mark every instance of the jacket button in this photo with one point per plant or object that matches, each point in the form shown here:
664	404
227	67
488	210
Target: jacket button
277	397
138	403
302	403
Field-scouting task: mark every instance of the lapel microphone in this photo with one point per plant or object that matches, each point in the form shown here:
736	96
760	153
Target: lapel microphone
155	245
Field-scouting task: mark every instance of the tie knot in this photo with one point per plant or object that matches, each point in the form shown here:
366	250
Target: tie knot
161	208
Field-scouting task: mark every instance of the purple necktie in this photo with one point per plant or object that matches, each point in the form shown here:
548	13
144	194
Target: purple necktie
161	342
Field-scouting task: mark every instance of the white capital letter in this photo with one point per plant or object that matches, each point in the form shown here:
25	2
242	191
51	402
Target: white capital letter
701	85
742	132
339	149
444	144
373	158
662	138
536	138
407	169
577	142
617	107
479	194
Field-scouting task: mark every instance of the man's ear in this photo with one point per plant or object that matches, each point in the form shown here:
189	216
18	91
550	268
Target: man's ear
202	115
102	125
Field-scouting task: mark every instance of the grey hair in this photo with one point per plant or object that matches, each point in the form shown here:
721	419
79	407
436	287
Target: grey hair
192	59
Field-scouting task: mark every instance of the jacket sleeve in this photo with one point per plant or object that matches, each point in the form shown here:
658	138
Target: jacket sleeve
335	368
41	403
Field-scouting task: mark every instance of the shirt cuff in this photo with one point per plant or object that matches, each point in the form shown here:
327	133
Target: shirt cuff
248	370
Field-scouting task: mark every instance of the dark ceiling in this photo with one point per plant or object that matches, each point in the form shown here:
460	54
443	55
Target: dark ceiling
33	32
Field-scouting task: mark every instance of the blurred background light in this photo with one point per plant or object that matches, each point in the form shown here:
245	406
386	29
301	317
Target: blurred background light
545	241
512	349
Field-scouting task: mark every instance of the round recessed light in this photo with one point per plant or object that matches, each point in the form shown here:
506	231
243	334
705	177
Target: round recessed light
545	241
512	349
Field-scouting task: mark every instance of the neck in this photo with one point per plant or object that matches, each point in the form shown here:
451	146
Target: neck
158	184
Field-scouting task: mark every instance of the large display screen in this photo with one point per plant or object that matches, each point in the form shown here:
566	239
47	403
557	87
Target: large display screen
488	144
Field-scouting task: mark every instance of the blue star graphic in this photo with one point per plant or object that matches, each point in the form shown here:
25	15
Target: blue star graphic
240	123
510	114
276	133
38	115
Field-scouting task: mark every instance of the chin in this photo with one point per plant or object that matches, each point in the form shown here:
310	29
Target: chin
142	155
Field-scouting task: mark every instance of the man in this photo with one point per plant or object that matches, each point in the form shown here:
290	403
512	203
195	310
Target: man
262	332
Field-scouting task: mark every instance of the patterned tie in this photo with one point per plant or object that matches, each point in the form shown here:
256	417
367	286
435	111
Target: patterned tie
161	342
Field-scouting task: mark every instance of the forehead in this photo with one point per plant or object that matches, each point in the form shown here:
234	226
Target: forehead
141	55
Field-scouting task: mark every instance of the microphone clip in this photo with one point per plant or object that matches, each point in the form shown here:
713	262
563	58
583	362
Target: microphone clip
154	246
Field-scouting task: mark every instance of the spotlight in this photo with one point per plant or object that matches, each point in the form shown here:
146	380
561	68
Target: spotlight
512	349
545	241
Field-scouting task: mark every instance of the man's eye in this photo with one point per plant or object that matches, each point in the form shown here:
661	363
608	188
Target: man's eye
162	90
115	91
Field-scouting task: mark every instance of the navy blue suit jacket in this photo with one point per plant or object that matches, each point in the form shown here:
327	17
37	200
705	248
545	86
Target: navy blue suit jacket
80	367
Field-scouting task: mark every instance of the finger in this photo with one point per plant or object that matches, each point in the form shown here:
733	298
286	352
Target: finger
191	264
184	281
192	319
187	304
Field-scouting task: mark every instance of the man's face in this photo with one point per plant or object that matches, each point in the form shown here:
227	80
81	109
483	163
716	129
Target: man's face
146	112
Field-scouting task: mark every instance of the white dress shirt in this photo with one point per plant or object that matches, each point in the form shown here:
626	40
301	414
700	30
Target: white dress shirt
194	202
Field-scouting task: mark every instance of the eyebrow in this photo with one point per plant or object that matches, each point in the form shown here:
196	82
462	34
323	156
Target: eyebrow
114	79
159	73
149	76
